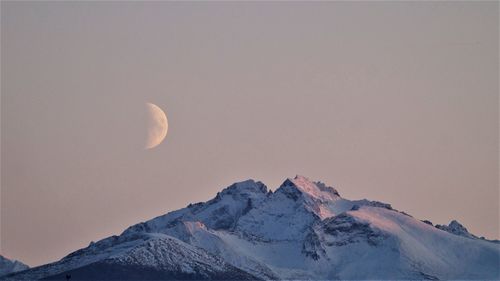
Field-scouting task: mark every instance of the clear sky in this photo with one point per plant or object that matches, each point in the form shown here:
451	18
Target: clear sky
390	101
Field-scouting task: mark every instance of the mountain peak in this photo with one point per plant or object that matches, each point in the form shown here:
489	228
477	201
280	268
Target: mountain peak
8	266
316	190
304	230
454	227
247	186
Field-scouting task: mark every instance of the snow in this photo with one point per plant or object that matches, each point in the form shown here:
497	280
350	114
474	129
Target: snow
316	190
164	251
456	228
423	248
8	266
303	230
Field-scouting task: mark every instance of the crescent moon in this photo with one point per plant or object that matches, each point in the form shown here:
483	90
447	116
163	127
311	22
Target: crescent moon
157	126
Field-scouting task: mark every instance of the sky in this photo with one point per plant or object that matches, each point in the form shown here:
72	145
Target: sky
390	101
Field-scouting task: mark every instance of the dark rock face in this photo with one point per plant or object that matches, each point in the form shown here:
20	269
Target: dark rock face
427	222
312	246
456	228
355	208
223	219
379	205
289	189
345	230
248	207
324	187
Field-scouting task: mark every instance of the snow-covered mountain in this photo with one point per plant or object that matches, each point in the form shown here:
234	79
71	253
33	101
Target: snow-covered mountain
8	266
303	230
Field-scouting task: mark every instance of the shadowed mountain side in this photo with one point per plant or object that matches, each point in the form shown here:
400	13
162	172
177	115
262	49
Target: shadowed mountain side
302	231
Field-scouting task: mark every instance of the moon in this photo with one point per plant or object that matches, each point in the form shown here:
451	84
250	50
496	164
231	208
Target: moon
157	126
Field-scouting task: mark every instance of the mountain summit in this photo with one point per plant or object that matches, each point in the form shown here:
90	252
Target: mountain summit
303	230
316	190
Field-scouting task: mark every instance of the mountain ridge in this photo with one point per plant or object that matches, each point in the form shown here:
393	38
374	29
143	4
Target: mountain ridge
8	266
302	230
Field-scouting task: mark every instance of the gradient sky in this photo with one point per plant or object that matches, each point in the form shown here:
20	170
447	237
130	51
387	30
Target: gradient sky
391	101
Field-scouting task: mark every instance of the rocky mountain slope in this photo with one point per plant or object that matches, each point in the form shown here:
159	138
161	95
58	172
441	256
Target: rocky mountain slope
8	266
303	230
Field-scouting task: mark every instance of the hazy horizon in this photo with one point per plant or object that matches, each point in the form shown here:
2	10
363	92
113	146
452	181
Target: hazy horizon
389	101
